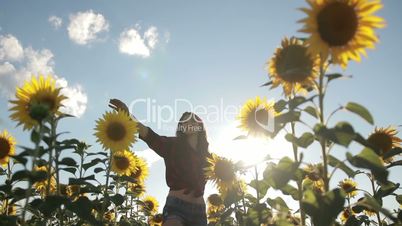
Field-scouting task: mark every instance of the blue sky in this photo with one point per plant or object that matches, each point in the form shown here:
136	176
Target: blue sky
202	51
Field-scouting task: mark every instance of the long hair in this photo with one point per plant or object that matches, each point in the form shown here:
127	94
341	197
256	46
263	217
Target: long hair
184	147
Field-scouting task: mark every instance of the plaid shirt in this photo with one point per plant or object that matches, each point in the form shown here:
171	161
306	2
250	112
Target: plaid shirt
182	172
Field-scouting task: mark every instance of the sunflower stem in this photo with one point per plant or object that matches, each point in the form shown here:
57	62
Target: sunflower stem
105	193
321	94
49	167
299	181
57	155
35	156
115	207
258	194
374	194
8	178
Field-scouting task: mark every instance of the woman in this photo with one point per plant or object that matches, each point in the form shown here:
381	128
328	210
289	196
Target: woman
185	156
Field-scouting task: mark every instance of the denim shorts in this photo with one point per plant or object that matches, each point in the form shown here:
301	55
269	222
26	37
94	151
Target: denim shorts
188	213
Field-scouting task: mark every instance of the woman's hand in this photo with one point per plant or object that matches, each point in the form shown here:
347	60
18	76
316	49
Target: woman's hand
117	104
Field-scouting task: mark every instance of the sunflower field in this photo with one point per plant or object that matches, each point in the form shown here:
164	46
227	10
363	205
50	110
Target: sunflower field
337	31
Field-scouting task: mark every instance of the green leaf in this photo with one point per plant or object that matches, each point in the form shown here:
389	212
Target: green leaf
333	76
296	101
323	208
51	203
83	208
360	110
278	203
368	159
291	116
70	170
398	198
304	141
266	84
334	162
371	203
117	199
311	111
35	137
343	133
21	175
277	176
387	189
290	190
99	169
393	152
262	186
68	162
280	105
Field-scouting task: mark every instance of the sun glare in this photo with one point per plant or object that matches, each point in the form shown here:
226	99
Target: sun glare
249	150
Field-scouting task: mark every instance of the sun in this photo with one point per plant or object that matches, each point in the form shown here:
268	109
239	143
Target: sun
250	150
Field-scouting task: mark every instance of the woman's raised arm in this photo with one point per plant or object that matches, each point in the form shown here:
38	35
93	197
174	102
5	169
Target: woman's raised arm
160	144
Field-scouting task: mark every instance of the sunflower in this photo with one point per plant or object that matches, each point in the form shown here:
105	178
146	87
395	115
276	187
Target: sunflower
36	100
314	171
341	28
221	171
150	205
116	131
293	66
255	116
123	162
41	185
346	213
384	139
215	203
7	147
213	214
349	186
138	189
141	173
74	191
239	188
8	209
110	215
156	220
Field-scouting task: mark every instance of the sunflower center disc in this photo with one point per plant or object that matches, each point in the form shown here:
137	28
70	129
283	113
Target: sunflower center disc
4	148
149	205
122	162
49	101
224	171
347	187
116	131
381	141
259	120
294	64
337	23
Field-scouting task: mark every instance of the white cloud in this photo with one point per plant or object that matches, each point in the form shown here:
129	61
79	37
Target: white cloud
34	62
85	26
151	37
10	48
132	43
149	155
76	104
55	21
